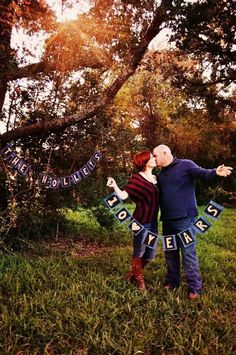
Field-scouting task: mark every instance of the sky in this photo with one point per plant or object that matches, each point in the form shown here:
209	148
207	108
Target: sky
35	43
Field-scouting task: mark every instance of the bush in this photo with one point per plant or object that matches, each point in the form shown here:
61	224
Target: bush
104	217
37	222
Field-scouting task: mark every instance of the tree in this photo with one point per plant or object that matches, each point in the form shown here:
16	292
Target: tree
204	34
126	44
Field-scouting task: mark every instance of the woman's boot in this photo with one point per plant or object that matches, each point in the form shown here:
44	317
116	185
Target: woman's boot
129	276
137	271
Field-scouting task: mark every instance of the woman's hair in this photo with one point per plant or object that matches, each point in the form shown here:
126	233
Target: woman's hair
140	159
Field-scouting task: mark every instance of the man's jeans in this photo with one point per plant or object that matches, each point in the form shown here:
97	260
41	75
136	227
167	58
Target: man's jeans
189	256
141	250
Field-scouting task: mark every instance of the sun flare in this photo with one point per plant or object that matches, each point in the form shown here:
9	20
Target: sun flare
68	13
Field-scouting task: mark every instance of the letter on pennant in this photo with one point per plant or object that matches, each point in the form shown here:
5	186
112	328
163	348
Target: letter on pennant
91	164
150	239
122	215
186	237
23	168
169	242
10	156
213	210
54	183
97	156
84	170
65	181
76	177
15	161
112	201
44	179
6	150
201	225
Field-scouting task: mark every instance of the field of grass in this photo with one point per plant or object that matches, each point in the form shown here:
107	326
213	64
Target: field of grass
65	304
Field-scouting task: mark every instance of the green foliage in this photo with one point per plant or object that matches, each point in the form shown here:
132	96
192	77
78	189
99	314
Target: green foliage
36	222
104	217
78	223
148	110
89	224
71	305
205	194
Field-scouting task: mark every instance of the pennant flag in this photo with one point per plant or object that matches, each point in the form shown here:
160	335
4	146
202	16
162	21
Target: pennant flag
65	181
213	210
150	239
169	242
15	161
186	237
54	183
91	164
44	179
76	177
97	157
202	225
85	171
122	215
6	150
10	155
23	168
112	201
135	226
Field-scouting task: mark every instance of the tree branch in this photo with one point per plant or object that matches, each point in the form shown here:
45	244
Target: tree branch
33	69
53	125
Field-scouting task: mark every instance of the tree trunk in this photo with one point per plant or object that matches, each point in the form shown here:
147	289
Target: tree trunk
6	21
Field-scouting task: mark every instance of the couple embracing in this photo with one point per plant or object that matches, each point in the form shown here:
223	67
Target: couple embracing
173	190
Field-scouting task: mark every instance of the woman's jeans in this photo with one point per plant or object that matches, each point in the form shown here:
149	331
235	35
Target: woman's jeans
189	256
140	250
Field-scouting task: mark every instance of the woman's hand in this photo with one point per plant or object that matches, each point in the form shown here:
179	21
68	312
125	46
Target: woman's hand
111	182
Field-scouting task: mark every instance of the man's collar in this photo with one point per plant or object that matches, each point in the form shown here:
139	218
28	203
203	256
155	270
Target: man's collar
174	161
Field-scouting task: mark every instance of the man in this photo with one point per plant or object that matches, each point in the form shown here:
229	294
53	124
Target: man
179	211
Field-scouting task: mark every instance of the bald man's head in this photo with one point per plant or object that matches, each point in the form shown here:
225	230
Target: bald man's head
163	155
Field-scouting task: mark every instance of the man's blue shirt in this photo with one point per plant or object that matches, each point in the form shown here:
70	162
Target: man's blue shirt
177	187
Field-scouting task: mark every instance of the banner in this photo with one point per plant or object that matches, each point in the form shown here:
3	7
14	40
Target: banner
169	242
11	157
16	162
74	178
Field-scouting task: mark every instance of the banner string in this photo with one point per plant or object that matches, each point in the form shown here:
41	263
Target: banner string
50	156
219	185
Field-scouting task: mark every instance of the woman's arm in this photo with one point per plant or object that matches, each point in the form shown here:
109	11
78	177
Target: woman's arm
121	193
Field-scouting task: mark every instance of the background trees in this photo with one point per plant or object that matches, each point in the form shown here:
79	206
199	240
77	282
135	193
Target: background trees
96	85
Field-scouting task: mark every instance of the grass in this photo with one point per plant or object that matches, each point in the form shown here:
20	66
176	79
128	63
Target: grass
69	305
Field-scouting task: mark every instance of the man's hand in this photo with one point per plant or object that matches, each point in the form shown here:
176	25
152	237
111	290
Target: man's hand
224	170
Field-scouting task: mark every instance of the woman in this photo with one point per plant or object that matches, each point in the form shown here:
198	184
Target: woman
143	191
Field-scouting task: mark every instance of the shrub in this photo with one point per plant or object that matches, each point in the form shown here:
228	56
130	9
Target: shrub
104	217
